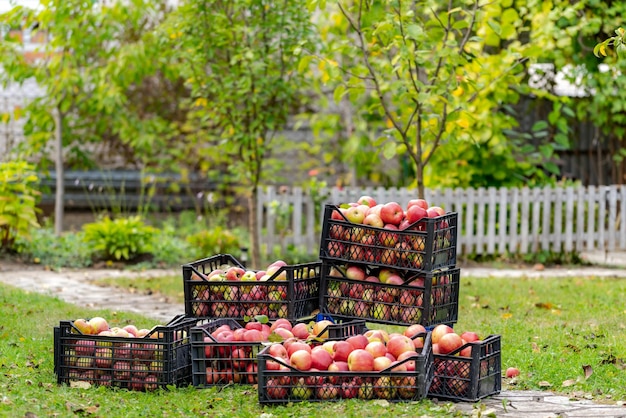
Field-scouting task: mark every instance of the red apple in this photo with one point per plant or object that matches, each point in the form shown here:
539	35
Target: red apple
355	272
338	214
274	390
373	220
327	391
470	336
435	211
338	366
296	346
367	200
376	348
375	209
252	335
341	350
410	365
415	213
98	324
281	323
84	327
417	202
360	360
381	363
300	331
278	351
439	331
320	358
512	372
449	342
358	341
413	330
467	351
234	273
301	360
284	333
389	239
392	213
398	344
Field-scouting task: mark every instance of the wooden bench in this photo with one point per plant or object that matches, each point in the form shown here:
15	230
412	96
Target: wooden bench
125	189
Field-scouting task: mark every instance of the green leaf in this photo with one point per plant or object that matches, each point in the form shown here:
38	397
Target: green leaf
552	168
539	125
389	149
339	92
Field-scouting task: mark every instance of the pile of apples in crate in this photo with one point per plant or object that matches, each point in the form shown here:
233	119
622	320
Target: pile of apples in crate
129	357
359	242
375	364
246	296
227	354
217	290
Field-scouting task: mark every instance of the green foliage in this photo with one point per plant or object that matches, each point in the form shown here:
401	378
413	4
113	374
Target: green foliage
244	81
429	71
618	41
119	239
18	202
216	240
50	250
169	249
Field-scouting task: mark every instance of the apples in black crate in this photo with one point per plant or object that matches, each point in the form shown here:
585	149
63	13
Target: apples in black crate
388	295
466	367
91	353
224	351
294	372
220	287
400	240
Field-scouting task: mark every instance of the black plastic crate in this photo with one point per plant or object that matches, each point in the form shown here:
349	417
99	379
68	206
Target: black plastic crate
292	292
468	379
217	362
428	244
161	358
291	385
421	298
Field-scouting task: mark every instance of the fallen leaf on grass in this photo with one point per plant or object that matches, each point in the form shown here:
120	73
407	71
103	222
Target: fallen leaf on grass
569	382
535	348
544	384
80	384
381	402
543	305
507	315
587	370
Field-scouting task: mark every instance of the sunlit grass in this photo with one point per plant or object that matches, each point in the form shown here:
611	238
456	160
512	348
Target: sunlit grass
550	327
552	330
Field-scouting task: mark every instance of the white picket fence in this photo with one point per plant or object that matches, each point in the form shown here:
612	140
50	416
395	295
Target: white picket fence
490	221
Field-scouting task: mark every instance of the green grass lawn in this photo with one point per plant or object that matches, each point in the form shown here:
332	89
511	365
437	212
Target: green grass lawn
552	330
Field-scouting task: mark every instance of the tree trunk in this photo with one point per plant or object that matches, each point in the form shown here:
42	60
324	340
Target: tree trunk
58	164
253	227
419	173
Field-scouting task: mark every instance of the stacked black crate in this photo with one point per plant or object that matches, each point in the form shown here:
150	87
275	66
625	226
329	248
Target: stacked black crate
401	276
390	275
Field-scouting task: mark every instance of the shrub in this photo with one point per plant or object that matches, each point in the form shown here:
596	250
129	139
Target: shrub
47	249
119	239
18	202
170	250
216	240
